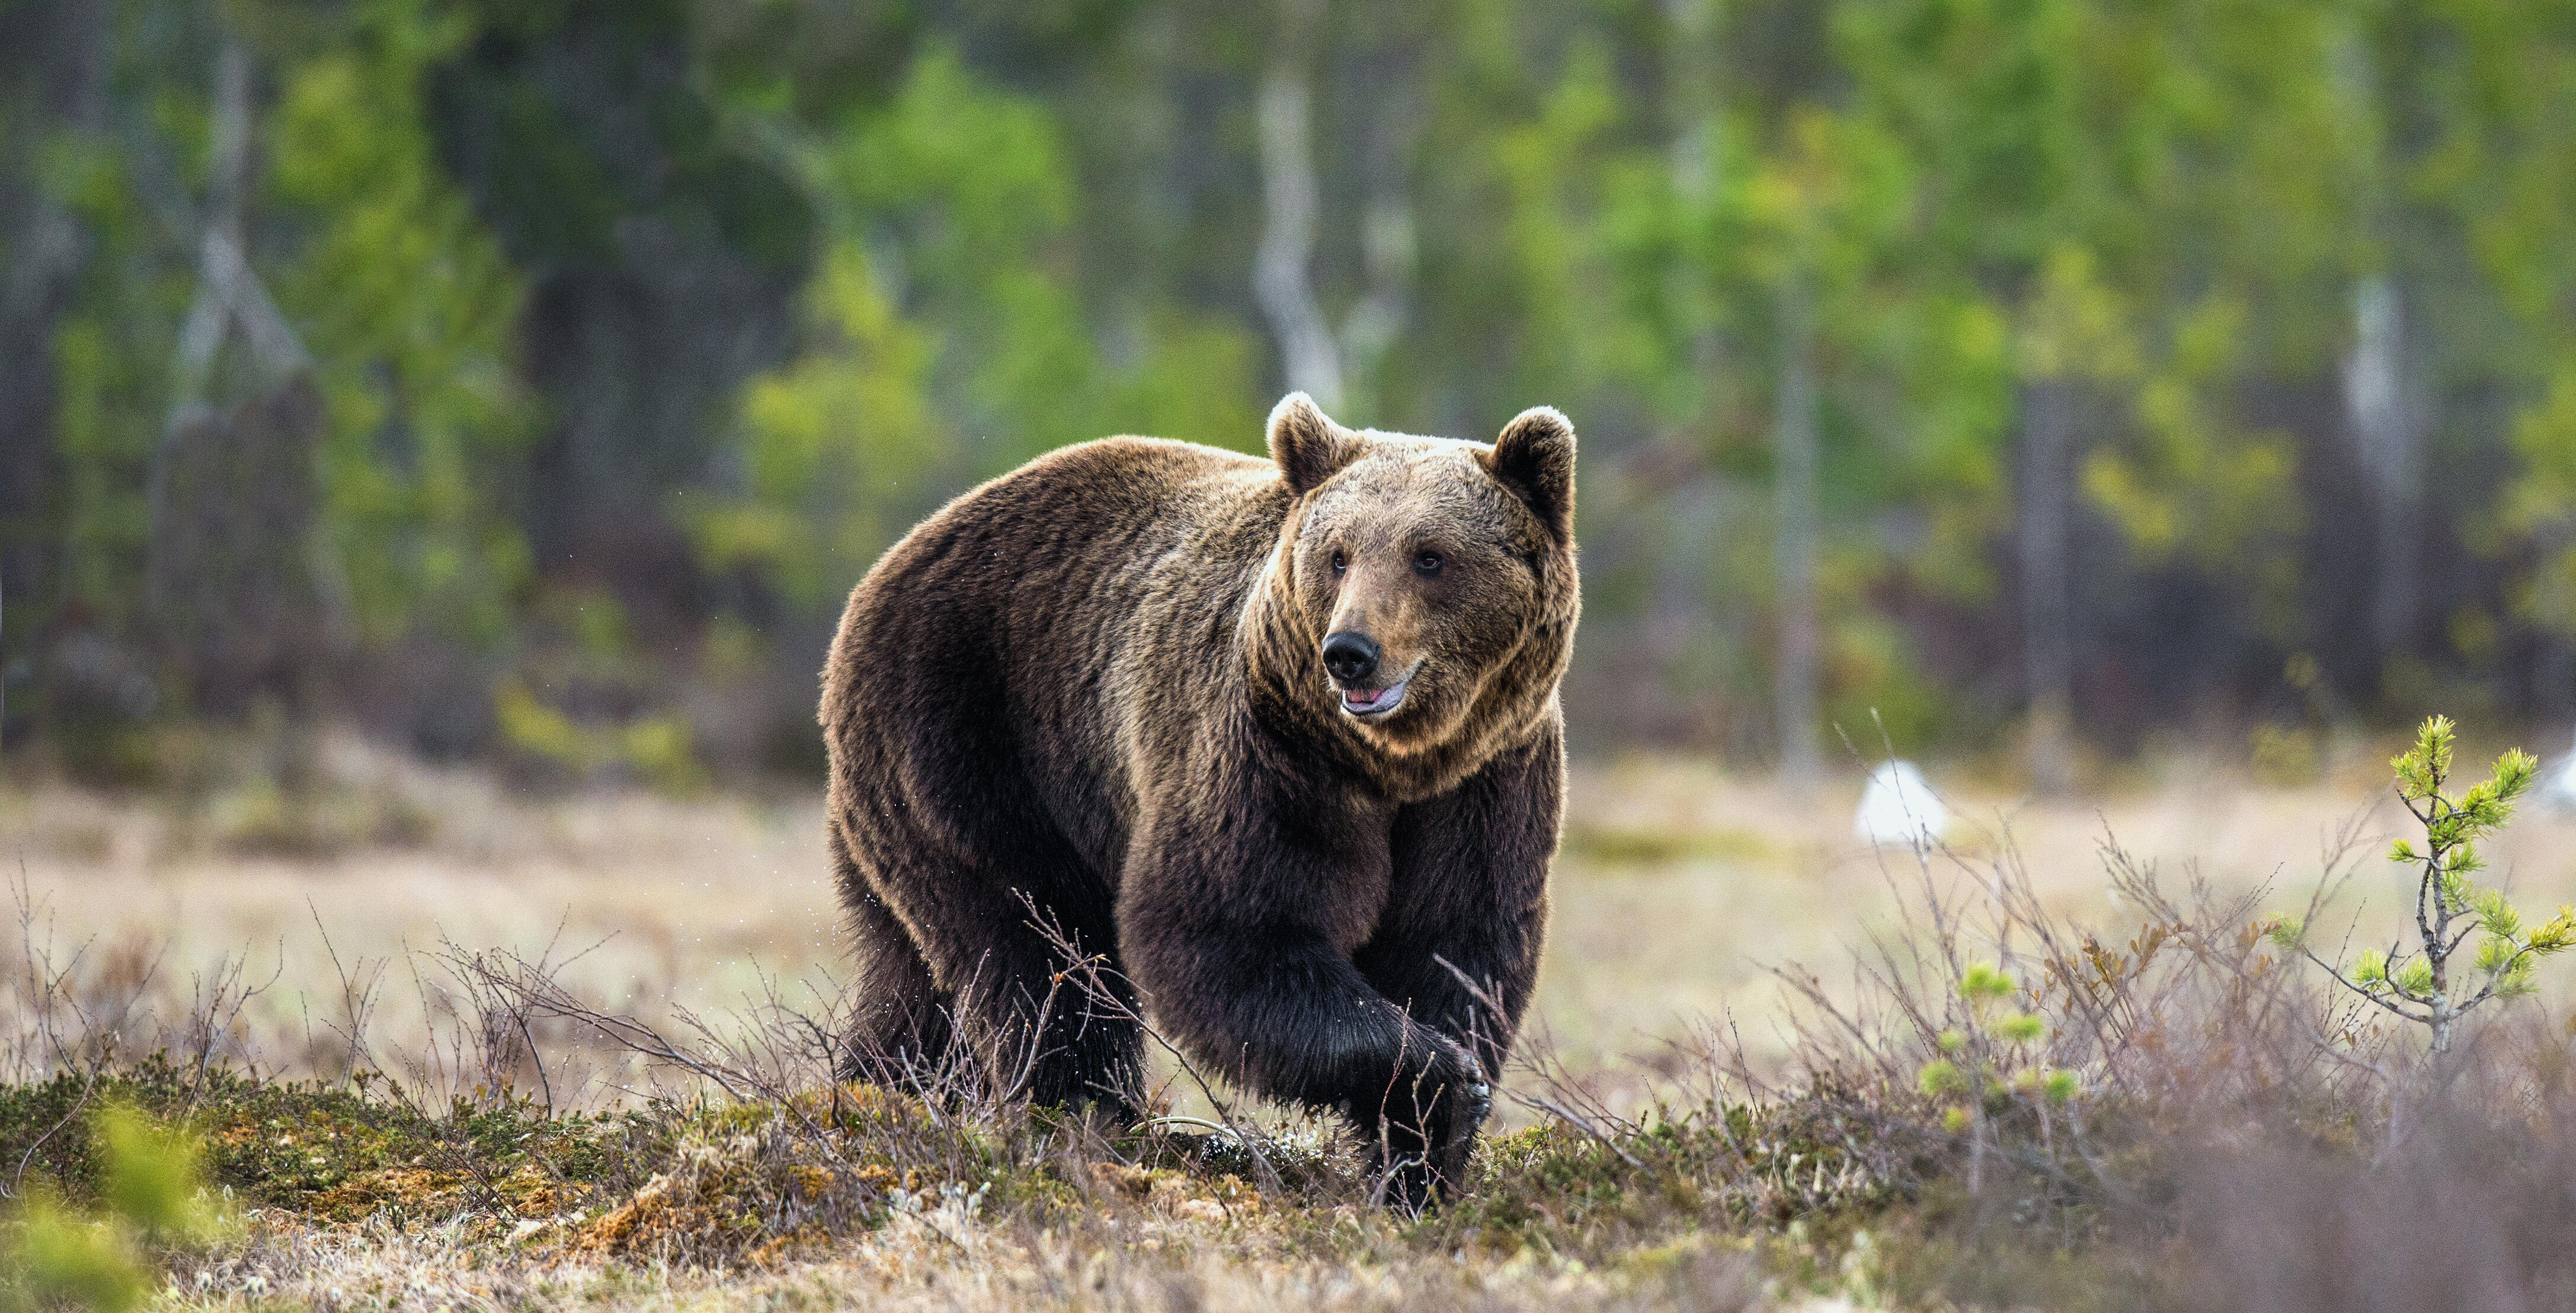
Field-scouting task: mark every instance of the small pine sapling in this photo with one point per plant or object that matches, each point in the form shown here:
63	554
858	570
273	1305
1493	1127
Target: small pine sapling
1989	1066
2427	983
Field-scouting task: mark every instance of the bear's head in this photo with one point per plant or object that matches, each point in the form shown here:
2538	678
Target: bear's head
1435	579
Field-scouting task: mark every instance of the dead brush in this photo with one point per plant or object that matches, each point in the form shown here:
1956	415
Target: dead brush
2001	1107
765	1153
2181	1102
526	1110
1988	1032
79	1011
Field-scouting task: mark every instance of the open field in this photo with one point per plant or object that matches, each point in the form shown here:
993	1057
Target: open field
1678	885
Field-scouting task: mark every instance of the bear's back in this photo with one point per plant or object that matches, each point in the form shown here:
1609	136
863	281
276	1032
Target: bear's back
1076	524
1061	614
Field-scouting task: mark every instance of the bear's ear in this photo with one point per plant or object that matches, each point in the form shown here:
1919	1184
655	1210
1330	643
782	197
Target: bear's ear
1535	458
1308	447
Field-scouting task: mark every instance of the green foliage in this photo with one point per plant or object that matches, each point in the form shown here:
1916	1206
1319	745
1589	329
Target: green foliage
2422	982
154	1175
1985	983
109	356
1994	1061
411	310
929	243
63	1260
837	448
976	184
977	356
657	750
151	1193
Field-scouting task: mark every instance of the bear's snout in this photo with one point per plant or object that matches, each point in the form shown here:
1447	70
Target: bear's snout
1351	657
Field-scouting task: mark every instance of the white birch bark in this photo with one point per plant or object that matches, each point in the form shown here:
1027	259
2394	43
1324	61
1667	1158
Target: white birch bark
1794	438
1386	228
1291	205
2384	409
2047	508
229	295
1679	626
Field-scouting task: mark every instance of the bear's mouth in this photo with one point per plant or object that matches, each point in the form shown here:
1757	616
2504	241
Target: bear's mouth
1372	703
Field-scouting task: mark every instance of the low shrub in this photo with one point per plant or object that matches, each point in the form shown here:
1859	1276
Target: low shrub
2006	1108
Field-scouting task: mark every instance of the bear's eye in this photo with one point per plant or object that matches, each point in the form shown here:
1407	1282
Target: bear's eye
1340	562
1426	563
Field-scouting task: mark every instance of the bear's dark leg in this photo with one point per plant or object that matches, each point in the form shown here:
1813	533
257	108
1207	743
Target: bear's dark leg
1055	1027
1469	892
982	924
899	1033
1275	1006
1227	919
945	826
1053	1024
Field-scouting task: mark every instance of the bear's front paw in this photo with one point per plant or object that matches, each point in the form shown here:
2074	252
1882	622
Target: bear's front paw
1470	1100
1423	1145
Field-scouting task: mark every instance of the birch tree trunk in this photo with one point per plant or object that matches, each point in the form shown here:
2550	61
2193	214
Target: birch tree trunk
44	250
1691	70
201	334
1794	436
1387	149
2047	509
1679	629
240	579
1290	205
2383	406
2386	406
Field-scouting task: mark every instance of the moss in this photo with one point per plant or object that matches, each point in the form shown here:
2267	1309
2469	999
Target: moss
721	1182
1659	847
1738	1170
333	1154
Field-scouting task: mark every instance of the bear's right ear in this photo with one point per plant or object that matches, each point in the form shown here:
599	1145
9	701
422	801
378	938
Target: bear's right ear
1535	458
1308	447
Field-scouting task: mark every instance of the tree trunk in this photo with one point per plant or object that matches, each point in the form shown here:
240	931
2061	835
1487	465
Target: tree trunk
1680	630
2047	508
2385	396
1794	436
2383	405
1290	205
202	335
1696	112
240	582
167	569
1387	246
63	50
1691	72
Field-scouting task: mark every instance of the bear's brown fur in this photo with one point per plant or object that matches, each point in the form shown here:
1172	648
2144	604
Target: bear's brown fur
1097	686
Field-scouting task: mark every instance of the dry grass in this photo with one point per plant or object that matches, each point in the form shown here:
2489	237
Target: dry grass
1692	1139
1680	885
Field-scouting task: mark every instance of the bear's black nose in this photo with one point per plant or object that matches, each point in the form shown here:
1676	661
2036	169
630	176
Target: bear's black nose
1351	656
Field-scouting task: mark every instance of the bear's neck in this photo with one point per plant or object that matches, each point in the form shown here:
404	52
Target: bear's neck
1289	697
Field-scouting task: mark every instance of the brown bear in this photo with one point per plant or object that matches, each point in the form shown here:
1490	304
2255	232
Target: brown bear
1278	741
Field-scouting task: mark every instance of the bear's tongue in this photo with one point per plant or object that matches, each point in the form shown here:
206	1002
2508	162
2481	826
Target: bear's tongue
1362	697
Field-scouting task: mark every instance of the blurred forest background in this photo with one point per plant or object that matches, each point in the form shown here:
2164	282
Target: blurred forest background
530	381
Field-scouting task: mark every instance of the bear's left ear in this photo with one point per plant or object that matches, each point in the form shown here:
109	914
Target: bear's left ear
1535	458
1309	447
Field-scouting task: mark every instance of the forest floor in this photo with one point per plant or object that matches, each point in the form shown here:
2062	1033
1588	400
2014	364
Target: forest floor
1679	889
